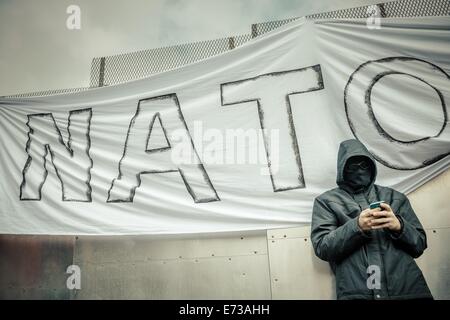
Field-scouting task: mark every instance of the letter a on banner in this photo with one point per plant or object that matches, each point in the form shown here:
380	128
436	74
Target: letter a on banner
155	133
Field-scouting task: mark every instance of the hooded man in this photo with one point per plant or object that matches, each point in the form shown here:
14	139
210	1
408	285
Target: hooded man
371	251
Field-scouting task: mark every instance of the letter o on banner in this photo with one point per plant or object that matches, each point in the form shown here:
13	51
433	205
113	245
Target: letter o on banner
394	152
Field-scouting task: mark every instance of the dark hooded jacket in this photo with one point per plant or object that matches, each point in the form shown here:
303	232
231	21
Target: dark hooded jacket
338	239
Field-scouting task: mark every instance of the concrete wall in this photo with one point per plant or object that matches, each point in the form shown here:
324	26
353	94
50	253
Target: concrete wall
272	264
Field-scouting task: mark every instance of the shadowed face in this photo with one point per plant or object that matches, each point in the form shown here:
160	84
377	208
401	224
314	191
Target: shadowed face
358	171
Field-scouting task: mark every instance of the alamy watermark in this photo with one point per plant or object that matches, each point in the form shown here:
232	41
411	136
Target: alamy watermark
374	279
74	280
374	17
73	21
228	146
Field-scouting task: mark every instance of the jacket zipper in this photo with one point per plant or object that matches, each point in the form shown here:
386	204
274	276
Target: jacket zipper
366	255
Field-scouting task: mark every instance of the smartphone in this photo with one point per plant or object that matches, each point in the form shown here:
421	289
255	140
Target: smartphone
375	205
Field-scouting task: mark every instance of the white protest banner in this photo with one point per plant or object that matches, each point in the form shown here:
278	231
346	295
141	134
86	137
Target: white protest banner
241	141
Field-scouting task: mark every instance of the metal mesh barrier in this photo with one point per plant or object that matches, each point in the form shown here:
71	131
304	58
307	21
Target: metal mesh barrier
404	8
140	64
47	92
135	65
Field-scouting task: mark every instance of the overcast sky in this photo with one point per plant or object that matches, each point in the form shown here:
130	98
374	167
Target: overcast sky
38	52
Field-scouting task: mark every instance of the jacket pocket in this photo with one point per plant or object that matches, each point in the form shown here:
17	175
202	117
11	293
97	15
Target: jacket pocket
351	274
404	277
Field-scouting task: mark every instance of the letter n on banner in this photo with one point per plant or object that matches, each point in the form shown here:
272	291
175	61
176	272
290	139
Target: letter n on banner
71	161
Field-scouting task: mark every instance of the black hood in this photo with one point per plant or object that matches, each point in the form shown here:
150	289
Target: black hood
351	148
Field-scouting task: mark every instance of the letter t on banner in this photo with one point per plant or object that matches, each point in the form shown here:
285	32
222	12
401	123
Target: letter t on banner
271	92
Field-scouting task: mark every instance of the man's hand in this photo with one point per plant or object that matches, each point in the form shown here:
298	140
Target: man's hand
385	218
365	219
